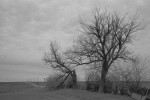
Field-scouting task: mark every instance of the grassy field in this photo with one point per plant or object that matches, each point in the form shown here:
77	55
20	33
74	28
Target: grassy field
25	91
7	87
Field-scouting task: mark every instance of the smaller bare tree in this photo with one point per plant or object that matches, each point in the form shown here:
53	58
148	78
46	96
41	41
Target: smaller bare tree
58	61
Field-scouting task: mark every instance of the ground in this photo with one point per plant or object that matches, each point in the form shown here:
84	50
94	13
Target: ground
26	91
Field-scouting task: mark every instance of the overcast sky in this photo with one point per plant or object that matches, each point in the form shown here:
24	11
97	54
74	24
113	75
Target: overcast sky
27	26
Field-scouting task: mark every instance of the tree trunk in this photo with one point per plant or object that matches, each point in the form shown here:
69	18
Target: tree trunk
102	83
103	78
74	79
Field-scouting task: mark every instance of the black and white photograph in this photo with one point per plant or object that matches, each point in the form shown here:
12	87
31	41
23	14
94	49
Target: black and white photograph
74	49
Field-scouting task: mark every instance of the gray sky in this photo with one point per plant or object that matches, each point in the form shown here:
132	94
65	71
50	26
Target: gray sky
27	26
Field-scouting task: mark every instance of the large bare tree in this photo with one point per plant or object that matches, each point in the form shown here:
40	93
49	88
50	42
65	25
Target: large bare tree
104	40
58	61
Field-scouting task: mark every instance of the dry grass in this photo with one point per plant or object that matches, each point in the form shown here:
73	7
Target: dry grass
33	93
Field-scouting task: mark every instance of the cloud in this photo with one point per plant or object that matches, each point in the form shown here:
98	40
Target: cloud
27	26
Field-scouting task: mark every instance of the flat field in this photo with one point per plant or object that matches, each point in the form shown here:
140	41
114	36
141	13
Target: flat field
26	91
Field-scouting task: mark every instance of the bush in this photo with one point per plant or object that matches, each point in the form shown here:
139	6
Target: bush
92	80
52	82
68	83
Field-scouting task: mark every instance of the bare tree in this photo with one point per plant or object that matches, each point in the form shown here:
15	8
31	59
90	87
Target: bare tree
122	77
58	61
103	41
138	71
129	75
92	80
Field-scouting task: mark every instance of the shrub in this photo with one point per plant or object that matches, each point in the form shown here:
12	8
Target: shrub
93	80
53	81
68	83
